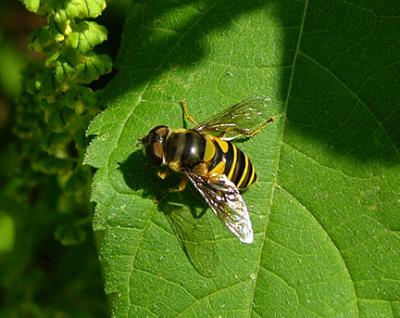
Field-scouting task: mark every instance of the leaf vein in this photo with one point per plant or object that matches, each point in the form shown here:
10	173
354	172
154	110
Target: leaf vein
329	237
146	309
210	294
290	287
166	280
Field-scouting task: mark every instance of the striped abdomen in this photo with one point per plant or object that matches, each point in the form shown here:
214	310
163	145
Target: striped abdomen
188	148
225	158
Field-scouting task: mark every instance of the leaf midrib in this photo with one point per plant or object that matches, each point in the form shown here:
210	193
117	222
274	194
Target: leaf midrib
279	154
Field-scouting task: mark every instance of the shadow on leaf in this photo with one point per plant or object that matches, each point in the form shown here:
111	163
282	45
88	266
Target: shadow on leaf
184	211
321	105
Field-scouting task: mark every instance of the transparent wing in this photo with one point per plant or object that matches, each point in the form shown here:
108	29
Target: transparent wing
225	200
244	119
195	237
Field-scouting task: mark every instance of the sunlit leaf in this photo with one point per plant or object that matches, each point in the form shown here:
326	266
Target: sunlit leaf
325	210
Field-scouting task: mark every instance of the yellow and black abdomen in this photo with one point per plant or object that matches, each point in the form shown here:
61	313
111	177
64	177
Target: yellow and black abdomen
225	158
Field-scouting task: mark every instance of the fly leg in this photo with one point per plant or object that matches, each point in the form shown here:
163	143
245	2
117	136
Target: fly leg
186	113
163	173
247	133
181	186
257	130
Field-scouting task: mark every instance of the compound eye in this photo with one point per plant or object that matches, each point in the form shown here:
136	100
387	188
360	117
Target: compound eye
160	131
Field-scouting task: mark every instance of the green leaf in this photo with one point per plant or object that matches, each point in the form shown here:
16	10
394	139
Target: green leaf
93	67
32	5
70	9
86	35
326	207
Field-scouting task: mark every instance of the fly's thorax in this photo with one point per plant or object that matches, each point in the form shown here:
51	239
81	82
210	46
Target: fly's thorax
154	144
223	157
184	148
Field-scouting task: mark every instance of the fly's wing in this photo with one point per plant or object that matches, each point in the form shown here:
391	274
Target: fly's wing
196	238
244	119
225	200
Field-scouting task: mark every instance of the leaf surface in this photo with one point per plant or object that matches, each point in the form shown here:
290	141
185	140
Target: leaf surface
325	210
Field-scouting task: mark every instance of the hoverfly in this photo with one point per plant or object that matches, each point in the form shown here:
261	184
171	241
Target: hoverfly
217	168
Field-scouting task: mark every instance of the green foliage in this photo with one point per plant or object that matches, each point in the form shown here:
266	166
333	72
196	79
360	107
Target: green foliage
48	261
325	208
38	276
55	108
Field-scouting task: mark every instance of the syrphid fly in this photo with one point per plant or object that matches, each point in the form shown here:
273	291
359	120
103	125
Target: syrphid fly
206	157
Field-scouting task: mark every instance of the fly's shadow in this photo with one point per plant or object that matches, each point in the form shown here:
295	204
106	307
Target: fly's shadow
185	211
140	175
